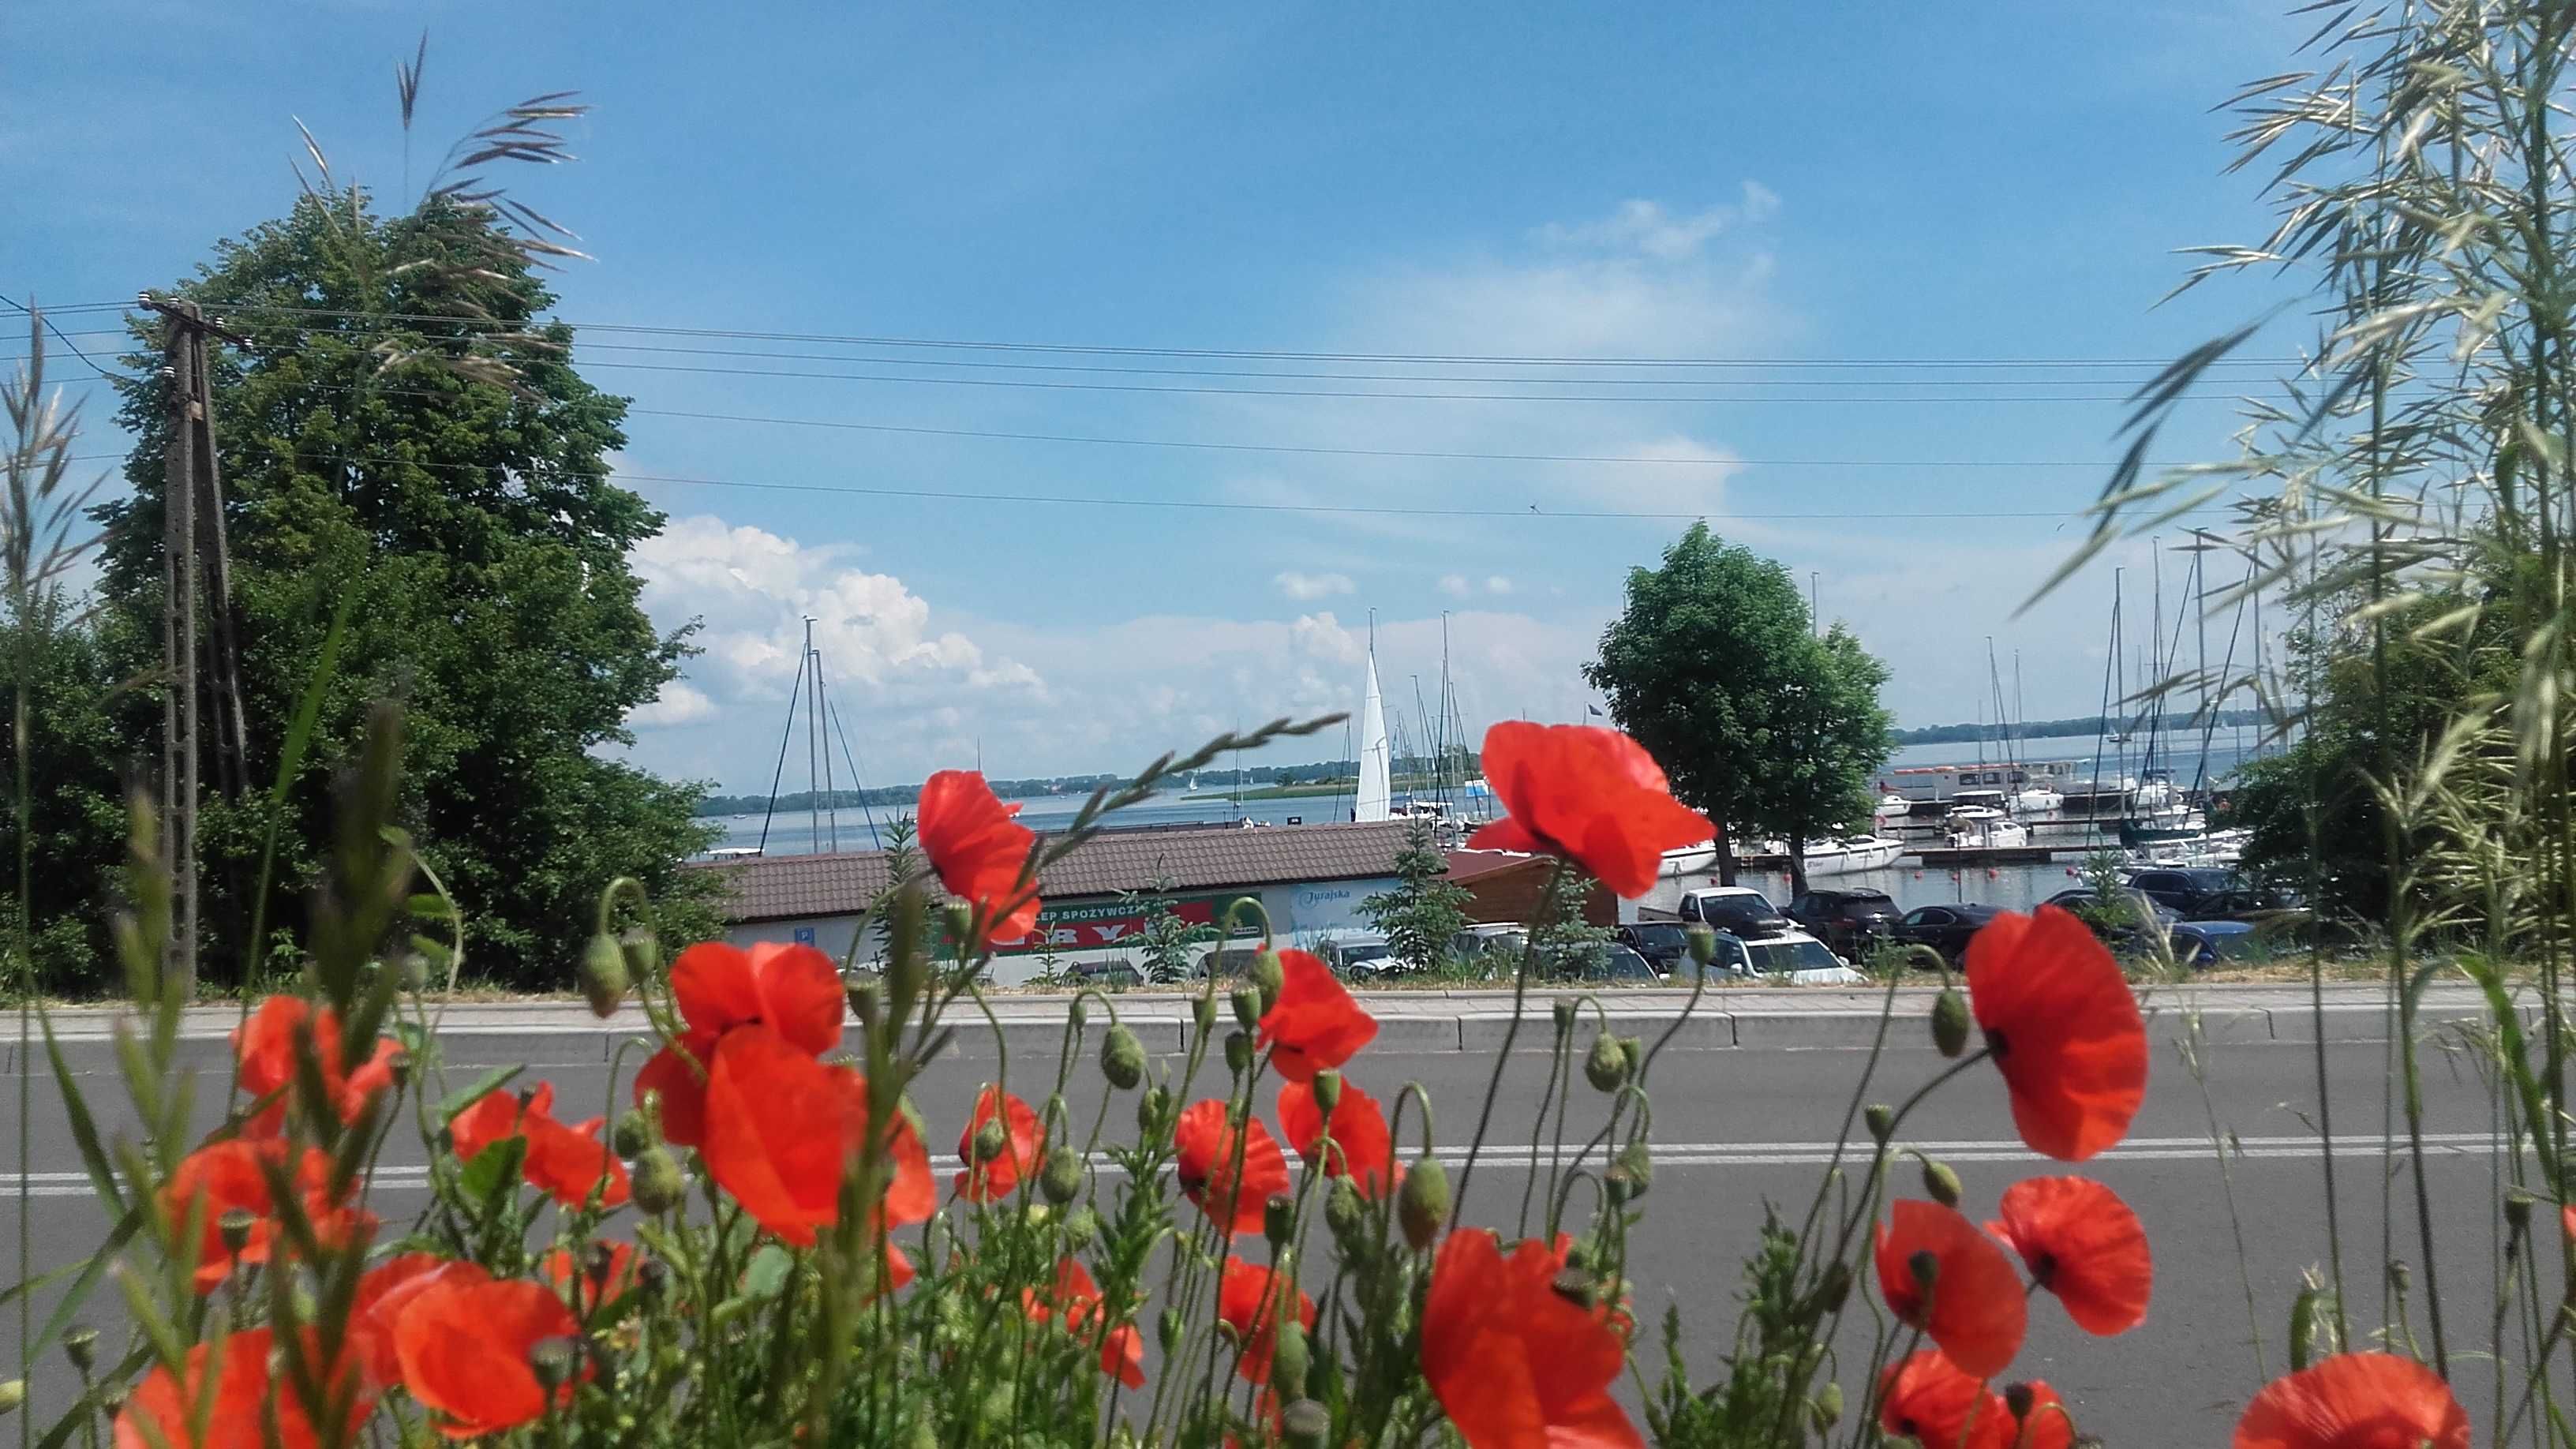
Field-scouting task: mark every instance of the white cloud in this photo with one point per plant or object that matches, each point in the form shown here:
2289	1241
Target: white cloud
1497	584
1648	227
1305	586
680	703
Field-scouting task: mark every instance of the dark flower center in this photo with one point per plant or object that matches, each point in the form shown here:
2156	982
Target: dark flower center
2044	1268
1995	1043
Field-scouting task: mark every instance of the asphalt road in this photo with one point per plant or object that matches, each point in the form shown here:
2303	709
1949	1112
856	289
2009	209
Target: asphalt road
1737	1129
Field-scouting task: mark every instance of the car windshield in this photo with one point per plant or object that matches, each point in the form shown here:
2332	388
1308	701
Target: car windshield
1782	956
1659	934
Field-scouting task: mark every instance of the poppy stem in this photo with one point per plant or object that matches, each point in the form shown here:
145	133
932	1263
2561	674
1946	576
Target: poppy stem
1502	1058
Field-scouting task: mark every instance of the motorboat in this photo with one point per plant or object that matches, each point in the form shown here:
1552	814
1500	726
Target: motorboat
1987	834
2037	800
1892	807
1690	859
1851	854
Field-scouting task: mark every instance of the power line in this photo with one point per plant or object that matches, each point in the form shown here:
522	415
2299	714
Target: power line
1494	360
59	335
1532	511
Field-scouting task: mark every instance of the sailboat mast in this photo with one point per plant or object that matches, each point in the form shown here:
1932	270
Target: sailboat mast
813	750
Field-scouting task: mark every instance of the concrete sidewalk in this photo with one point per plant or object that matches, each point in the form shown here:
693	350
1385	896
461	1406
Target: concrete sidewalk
544	1033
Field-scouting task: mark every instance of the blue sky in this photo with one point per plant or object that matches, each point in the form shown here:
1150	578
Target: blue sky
1827	184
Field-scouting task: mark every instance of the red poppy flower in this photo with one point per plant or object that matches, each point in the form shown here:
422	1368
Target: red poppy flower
243	1397
1122	1348
1977	1313
1589	794
780	1127
2567	1223
586	1280
1362	1148
1249	1300
233	1174
265	1049
2044	1424
979	851
2083	1244
1022	1143
1314	1023
1516	1364
793	990
464	1352
2064	1030
568	1163
1927	1399
2355	1401
384	1292
1204	1162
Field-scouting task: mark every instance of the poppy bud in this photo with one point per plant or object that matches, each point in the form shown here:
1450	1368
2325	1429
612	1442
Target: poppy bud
551	1361
990	1139
1305	1423
1422	1205
1062	1179
643	952
413	971
2303	1326
2400	1276
867	999
1122	1057
1267	976
632	1134
958	919
1634	1049
1834	1288
1167	1331
1081	1226
1566	1007
1328	1091
2018	1398
78	1346
2517	1210
1238	1052
1940	1183
1635	1169
1279	1219
650	1276
1950	1022
1344	1213
235	1227
1151	1110
1605	1066
1077	1012
934	1239
1247	1006
1288	1358
1203	1013
1882	1122
656	1183
111	1403
1924	1267
1701	943
603	974
1575	1286
1829	1406
12	1394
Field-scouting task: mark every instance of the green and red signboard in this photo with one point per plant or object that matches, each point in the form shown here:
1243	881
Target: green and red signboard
1092	925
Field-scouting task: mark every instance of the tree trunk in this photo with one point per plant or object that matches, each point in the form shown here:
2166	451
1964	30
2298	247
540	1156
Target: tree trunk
1797	862
1725	856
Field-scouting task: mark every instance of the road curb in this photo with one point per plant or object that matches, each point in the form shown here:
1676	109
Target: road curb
546	1034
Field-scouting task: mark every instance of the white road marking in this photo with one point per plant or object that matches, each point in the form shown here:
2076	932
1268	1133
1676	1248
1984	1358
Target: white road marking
1688	1154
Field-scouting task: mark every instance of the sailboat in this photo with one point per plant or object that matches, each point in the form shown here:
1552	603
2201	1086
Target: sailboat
1375	798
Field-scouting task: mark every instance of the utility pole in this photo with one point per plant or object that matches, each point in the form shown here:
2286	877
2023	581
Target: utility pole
200	654
1815	613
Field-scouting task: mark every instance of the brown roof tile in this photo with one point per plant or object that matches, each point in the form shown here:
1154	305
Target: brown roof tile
778	887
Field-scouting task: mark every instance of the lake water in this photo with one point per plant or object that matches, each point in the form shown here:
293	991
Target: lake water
2011	886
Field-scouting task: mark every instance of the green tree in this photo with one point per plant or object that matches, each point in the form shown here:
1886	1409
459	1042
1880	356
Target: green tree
405	433
1164	939
1426	909
1563	940
1833	736
1713	667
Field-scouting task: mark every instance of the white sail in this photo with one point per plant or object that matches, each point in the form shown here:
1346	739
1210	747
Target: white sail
1376	788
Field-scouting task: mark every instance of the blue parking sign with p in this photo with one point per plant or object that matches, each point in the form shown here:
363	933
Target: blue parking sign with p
804	935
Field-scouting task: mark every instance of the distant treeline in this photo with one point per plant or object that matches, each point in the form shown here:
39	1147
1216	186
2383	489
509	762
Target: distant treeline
2061	728
897	796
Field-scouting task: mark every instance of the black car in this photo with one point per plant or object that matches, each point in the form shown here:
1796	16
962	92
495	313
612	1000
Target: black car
1735	910
1115	972
2186	891
1662	943
1849	922
1611	962
1945	929
2093	911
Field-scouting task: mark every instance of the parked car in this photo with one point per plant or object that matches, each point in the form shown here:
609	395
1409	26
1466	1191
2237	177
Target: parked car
1498	943
1793	957
1611	962
1736	910
2186	891
1945	929
2274	910
1662	943
1343	952
2203	944
1115	972
2093	911
1229	962
1849	921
